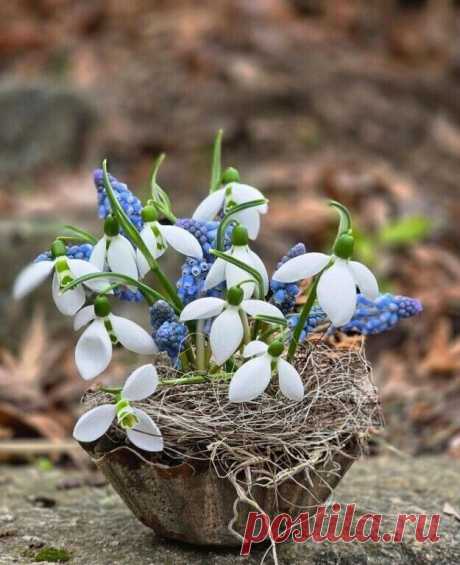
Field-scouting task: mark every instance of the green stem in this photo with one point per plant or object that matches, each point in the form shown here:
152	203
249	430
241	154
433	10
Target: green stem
216	171
246	328
200	347
303	317
137	240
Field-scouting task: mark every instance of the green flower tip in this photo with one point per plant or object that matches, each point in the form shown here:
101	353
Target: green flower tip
126	417
102	306
240	236
149	214
344	246
58	248
235	295
111	226
275	348
230	175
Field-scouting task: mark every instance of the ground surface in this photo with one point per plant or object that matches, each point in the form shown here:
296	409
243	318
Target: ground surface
73	511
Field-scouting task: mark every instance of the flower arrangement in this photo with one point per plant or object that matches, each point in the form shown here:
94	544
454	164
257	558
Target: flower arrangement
225	318
252	392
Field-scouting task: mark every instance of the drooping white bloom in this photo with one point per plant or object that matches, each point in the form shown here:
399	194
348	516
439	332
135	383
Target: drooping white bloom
252	378
65	271
337	284
157	237
222	270
227	329
231	195
114	250
94	348
140	428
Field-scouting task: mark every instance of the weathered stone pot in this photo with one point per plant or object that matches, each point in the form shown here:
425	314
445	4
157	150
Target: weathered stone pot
192	504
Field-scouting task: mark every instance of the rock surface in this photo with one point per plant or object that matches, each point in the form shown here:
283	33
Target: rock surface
41	124
72	511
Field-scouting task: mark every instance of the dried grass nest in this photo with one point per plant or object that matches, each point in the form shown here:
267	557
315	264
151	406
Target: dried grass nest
271	435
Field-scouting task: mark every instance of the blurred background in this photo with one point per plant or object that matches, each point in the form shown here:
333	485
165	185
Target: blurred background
356	100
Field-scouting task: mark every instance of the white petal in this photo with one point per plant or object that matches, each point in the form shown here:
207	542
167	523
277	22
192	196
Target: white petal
151	243
121	257
202	309
226	335
250	380
94	423
70	301
30	277
210	206
132	336
245	193
83	317
216	274
234	275
183	241
141	383
98	254
289	380
146	435
261	308
365	279
250	219
301	267
79	268
337	293
94	350
259	266
255	347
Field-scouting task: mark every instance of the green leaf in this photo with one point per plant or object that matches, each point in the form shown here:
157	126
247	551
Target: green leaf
82	235
405	231
253	272
216	170
272	320
160	199
228	218
150	294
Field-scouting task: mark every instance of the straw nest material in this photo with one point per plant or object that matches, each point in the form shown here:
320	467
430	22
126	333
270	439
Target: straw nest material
271	435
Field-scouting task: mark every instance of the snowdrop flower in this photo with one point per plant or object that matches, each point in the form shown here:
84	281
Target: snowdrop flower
221	270
227	329
94	348
337	284
114	250
140	428
252	378
157	237
65	271
233	194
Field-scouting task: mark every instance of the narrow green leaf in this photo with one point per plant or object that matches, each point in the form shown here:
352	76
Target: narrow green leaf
226	220
150	294
272	320
216	171
82	234
253	272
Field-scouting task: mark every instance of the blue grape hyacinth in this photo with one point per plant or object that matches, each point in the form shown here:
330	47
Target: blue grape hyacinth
371	316
129	202
161	312
316	317
194	271
380	315
170	337
284	294
82	251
